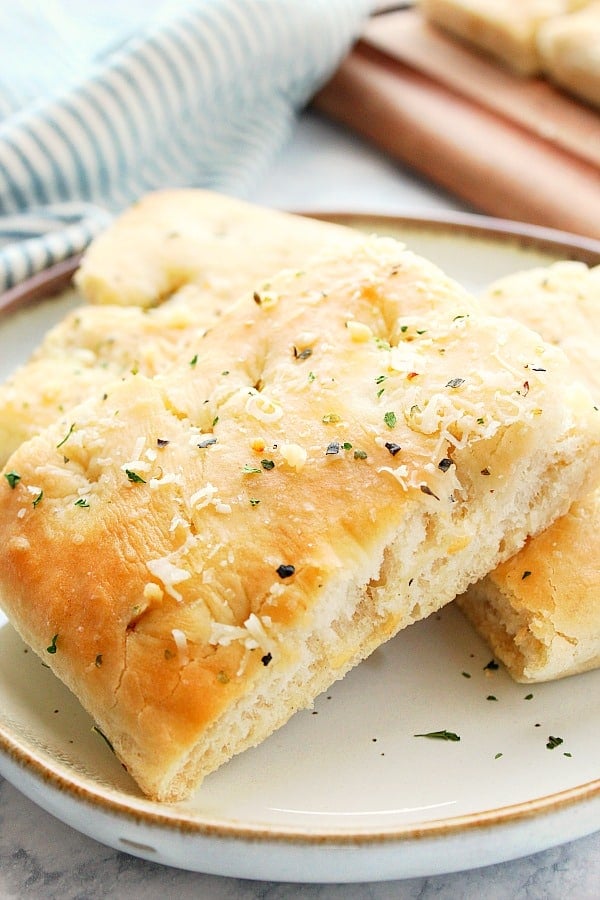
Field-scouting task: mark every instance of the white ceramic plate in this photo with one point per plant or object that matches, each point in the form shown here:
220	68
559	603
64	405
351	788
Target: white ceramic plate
345	792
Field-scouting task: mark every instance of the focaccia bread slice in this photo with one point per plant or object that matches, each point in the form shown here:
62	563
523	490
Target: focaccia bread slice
505	29
196	251
540	610
562	303
191	236
206	551
569	50
90	347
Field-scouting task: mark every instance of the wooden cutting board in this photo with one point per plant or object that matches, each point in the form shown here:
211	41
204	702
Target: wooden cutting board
511	147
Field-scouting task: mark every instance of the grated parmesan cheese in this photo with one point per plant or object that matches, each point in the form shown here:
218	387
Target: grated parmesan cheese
252	633
168	478
400	474
203	497
182	645
136	465
359	332
169	574
261	407
294	455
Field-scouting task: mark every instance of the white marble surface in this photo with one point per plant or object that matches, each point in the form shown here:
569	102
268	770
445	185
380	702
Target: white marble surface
322	169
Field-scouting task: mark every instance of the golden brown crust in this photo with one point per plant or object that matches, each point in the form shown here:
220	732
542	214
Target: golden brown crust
312	432
540	611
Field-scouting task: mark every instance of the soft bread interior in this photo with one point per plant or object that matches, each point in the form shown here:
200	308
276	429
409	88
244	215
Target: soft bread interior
539	610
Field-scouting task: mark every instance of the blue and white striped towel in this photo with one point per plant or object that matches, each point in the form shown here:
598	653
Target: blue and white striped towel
100	103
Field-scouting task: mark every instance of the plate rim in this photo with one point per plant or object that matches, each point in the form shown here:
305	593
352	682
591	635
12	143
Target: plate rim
57	277
39	766
153	814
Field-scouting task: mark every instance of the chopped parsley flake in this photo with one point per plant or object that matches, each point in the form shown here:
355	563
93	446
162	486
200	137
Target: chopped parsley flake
254	501
214	421
390	419
528	697
498	755
346	445
380	379
194	360
553	742
311	376
440	735
82	502
12	478
491	697
251	470
66	437
134	477
267	464
360	454
52	648
38	499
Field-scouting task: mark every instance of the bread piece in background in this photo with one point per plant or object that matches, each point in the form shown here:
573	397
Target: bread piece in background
208	550
505	29
194	250
569	50
562	303
540	610
179	237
